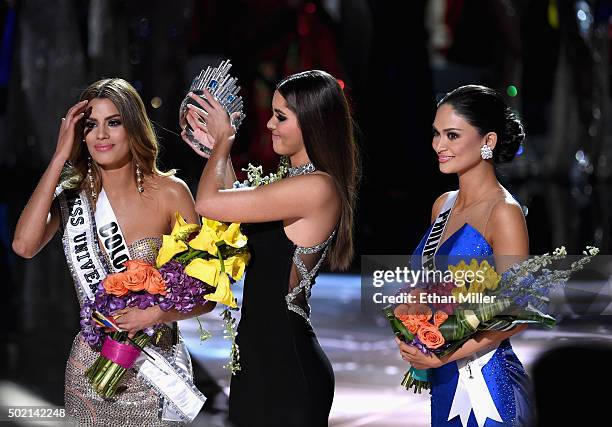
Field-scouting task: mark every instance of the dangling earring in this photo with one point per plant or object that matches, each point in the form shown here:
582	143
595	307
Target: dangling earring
485	152
139	179
92	186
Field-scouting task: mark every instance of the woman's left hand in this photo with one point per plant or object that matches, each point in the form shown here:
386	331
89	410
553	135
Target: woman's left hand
218	123
416	358
134	319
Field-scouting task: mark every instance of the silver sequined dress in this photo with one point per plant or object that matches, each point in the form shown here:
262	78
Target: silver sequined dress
139	405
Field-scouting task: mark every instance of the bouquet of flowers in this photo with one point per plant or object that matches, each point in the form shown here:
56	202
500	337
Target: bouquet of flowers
495	303
195	264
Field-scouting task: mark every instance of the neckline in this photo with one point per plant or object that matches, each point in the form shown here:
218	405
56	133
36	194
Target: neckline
143	239
304	169
129	245
465	225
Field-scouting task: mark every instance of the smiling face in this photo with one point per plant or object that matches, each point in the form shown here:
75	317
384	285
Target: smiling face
105	136
286	134
457	142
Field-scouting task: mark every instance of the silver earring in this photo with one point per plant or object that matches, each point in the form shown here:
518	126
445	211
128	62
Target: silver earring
92	186
139	179
485	152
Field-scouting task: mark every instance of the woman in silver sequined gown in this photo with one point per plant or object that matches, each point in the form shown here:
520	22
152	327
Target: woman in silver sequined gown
295	225
110	144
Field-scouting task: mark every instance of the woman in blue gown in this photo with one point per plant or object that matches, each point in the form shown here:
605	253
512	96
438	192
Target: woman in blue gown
482	383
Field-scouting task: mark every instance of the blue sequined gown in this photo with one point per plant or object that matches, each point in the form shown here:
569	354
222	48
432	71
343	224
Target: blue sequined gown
504	374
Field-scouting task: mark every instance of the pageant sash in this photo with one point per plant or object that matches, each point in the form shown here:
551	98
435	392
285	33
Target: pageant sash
437	231
110	234
472	392
80	243
182	400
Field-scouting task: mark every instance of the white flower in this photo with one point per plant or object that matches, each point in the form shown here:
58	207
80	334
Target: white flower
560	251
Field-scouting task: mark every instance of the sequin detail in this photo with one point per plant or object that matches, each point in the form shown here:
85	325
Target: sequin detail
139	405
505	377
307	277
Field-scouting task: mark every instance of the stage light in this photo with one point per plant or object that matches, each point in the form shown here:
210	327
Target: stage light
156	102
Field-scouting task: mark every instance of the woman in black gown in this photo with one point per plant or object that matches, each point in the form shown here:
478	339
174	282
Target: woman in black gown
294	225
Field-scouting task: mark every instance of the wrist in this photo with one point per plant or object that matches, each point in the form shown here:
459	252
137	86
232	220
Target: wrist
59	160
158	314
226	137
443	360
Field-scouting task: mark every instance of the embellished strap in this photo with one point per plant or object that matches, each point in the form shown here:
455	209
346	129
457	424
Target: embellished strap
307	276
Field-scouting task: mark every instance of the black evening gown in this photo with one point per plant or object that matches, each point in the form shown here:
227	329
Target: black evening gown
286	379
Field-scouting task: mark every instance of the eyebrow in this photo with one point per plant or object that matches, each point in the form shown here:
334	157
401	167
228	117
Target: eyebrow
447	129
276	110
107	118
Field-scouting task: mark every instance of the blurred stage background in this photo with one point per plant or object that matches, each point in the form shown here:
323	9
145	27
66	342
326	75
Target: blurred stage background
395	58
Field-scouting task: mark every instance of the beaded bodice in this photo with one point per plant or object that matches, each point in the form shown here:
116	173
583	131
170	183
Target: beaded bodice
145	249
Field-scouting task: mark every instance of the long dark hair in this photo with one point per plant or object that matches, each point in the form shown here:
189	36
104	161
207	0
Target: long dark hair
327	127
485	109
141	136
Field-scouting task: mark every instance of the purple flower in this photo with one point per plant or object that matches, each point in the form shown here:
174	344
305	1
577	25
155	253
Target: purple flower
418	344
183	292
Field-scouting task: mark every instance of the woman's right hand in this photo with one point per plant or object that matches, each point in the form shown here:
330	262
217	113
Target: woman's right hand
199	139
65	139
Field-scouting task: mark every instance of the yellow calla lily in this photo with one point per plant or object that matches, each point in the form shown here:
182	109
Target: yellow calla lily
170	247
175	242
182	229
223	294
206	240
206	270
235	265
216	226
233	236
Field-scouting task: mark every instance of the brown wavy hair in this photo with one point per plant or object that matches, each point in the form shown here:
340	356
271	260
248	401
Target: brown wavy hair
142	140
324	117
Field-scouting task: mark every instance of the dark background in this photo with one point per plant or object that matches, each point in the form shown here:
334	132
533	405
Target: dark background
396	59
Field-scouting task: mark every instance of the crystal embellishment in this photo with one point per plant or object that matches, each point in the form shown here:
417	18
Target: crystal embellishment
222	86
301	170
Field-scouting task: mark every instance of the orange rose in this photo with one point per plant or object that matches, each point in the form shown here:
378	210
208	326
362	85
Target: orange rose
420	312
155	283
137	274
135	279
439	318
113	285
430	336
411	322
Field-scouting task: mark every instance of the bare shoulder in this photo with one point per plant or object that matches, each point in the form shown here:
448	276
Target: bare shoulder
172	187
174	196
315	187
435	210
507	229
507	212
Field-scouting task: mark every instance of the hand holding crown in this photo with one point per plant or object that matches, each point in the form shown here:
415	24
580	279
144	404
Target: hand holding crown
212	110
